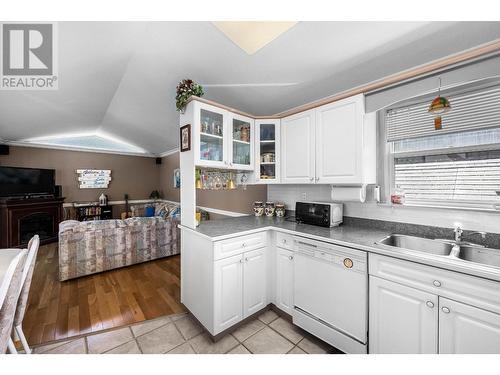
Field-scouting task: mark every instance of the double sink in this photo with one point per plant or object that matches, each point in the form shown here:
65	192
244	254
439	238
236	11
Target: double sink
465	251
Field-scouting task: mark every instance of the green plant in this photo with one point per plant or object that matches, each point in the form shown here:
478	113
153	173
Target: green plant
185	89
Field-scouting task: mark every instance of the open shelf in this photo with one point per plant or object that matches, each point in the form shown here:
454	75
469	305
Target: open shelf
211	135
242	142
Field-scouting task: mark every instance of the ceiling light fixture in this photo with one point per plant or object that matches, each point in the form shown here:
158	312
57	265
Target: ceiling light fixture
251	36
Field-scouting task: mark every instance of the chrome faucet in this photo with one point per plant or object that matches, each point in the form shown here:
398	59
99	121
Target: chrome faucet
459	234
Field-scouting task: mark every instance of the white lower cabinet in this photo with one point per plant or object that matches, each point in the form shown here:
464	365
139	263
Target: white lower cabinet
437	311
254	282
240	288
402	319
228	292
465	329
284	280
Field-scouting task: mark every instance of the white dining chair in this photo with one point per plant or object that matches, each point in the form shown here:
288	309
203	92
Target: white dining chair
22	302
11	283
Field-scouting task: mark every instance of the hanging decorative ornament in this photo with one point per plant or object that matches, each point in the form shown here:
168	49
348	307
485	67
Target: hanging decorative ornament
439	106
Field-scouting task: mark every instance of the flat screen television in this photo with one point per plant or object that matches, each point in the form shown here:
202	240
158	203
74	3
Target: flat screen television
16	181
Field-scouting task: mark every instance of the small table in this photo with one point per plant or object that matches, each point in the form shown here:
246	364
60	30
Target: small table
6	256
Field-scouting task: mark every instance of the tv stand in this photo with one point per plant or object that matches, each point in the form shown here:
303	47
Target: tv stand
21	218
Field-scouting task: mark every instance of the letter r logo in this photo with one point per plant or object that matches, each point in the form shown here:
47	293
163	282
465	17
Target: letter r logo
27	49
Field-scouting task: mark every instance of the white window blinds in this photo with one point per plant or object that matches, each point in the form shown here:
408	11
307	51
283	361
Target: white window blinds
460	177
471	111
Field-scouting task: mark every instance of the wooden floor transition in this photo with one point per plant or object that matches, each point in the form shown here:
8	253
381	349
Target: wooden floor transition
58	310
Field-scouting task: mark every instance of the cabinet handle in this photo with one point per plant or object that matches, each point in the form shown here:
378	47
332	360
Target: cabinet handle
437	283
290	257
243	244
317	179
307	244
430	304
246	259
445	310
311	178
284	241
241	260
231	164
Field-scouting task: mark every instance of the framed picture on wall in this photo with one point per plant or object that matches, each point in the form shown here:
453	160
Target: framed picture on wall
177	178
185	137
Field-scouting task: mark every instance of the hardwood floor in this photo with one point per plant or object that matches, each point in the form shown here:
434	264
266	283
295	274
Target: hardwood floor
58	310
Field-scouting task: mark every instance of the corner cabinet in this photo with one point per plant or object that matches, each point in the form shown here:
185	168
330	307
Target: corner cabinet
221	139
332	144
267	151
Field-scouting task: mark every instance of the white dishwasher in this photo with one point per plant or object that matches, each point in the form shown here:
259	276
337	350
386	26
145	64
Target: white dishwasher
331	293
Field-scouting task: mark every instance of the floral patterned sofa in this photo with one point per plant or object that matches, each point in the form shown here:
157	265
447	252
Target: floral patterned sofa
95	246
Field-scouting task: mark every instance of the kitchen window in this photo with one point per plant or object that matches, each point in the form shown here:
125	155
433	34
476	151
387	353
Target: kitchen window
457	166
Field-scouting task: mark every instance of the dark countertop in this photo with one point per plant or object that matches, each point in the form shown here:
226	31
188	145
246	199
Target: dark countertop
358	236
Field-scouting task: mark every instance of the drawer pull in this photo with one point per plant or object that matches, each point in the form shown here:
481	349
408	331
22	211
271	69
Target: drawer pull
243	244
290	257
445	310
306	244
437	283
246	259
241	260
284	241
430	304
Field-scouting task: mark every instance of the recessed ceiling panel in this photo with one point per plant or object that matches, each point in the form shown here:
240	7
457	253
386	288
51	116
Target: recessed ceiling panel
251	36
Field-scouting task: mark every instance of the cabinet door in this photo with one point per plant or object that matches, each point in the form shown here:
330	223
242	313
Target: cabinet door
254	282
241	143
267	151
297	148
402	319
284	280
209	132
339	141
228	292
464	329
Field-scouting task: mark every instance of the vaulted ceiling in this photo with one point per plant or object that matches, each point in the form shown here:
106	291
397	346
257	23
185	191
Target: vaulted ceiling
119	78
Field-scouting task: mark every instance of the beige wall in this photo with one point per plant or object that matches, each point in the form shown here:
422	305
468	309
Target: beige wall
168	164
237	200
133	175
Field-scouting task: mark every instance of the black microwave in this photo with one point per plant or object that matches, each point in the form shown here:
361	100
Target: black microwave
323	214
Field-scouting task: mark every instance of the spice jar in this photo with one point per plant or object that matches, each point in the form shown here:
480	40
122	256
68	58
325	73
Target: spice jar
280	210
258	208
270	208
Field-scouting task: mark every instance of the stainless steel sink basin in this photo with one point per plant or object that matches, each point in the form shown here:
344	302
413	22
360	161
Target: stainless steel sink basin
481	255
464	251
421	244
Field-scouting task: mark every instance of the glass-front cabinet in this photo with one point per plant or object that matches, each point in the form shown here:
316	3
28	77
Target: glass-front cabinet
211	137
222	139
267	151
242	134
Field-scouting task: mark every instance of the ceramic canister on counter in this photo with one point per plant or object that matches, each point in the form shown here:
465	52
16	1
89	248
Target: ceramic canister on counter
280	210
270	209
258	208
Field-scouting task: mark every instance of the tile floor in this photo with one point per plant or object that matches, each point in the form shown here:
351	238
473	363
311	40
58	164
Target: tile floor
180	334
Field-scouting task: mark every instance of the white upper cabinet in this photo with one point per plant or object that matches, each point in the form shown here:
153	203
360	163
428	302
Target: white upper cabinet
332	144
297	148
241	143
221	139
267	151
340	141
465	329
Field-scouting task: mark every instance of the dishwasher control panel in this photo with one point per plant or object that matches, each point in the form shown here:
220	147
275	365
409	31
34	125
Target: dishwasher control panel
344	257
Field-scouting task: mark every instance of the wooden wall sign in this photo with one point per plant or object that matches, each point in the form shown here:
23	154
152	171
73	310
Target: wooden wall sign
93	178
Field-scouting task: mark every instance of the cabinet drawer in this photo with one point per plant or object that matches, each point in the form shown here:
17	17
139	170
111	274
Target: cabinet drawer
238	245
284	241
472	290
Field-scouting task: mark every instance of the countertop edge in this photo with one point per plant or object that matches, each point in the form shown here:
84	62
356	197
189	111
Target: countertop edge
408	255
